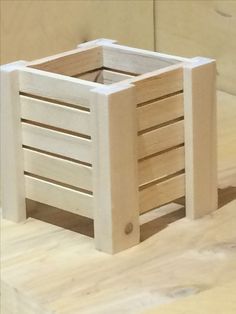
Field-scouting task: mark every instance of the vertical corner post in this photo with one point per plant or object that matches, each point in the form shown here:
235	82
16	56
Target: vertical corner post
116	208
200	137
12	168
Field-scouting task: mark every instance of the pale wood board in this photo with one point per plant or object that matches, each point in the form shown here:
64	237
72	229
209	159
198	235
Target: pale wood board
200	135
160	111
158	83
161	193
59	196
58	169
133	60
161	165
55	115
11	156
115	179
219	300
56	86
71	63
46	269
56	142
160	139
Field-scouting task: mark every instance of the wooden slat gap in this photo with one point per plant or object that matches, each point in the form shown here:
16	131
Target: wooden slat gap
161	152
159	126
87	72
120	71
54	101
159	180
159	98
49	127
59	183
58	156
158	207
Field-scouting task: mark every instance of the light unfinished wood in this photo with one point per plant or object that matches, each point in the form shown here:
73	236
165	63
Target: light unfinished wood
55	86
57	142
160	111
93	76
12	173
135	60
59	196
55	115
160	139
58	169
110	77
115	168
160	166
71	63
53	270
161	193
104	76
158	83
200	137
217	300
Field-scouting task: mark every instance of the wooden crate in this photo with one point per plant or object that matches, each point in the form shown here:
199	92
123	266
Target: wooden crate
109	132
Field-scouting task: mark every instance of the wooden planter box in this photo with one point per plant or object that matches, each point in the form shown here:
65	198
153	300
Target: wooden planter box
109	132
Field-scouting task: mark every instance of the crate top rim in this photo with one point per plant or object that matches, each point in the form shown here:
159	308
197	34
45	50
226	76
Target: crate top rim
102	42
172	62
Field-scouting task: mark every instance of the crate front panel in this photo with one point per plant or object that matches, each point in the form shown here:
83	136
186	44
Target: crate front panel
56	137
160	115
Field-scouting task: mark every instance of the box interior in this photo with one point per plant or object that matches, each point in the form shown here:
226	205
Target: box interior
105	64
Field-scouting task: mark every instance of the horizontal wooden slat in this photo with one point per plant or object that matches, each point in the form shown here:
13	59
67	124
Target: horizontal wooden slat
105	77
59	196
161	193
55	115
92	76
55	86
161	165
57	142
155	85
58	169
160	111
72	62
110	77
134	60
160	139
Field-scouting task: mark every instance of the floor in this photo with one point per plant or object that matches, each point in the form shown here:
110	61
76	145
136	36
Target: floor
180	267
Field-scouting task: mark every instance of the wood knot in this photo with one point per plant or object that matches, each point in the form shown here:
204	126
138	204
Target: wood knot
129	228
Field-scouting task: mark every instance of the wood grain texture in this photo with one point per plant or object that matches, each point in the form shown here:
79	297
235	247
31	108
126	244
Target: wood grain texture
115	168
47	269
55	86
217	300
55	115
57	142
12	173
161	193
162	165
134	60
210	33
59	196
58	169
72	62
200	137
161	111
158	83
160	139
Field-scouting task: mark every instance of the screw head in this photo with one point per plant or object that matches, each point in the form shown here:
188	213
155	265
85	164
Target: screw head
129	228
